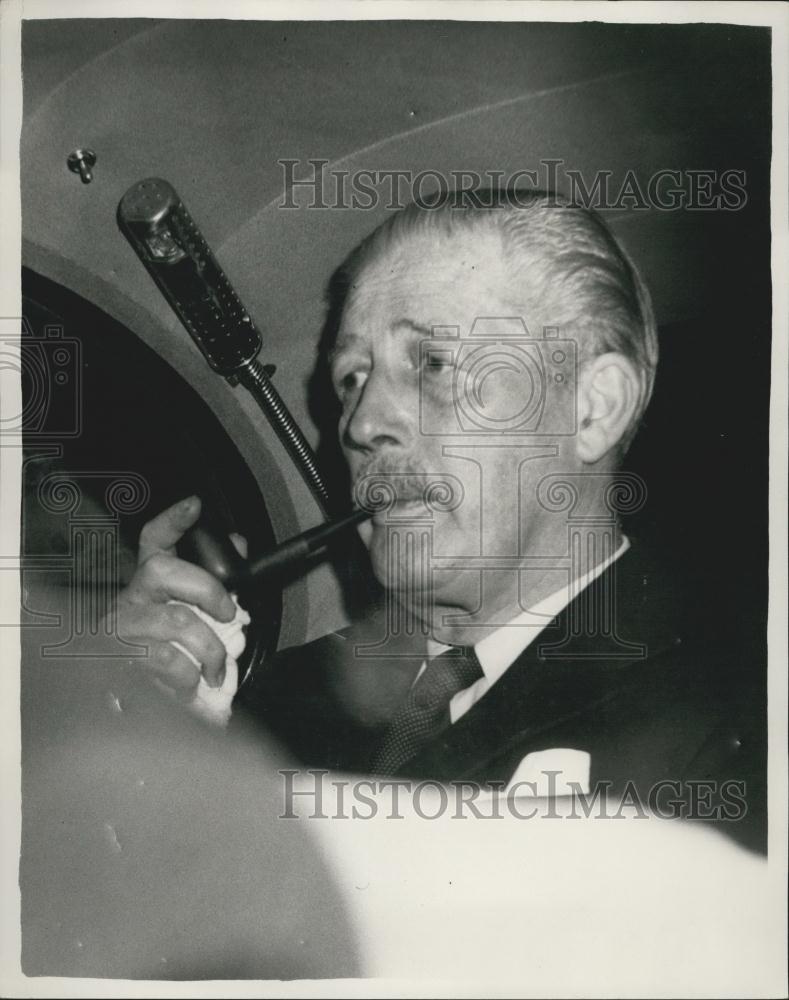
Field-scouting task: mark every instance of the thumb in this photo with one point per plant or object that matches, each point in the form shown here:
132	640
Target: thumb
240	544
166	529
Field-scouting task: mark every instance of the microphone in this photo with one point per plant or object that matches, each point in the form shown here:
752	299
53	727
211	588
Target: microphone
174	252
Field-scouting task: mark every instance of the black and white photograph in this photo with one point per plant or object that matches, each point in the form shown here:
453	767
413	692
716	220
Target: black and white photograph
394	487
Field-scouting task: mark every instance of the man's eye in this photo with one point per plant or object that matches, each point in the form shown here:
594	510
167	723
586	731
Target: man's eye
351	382
439	362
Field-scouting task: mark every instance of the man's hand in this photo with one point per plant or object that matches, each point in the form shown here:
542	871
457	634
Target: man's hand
145	617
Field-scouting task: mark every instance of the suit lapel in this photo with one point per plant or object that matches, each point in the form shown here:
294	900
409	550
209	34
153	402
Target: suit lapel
574	665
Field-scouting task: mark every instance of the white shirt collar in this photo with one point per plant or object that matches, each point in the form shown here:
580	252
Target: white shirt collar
499	650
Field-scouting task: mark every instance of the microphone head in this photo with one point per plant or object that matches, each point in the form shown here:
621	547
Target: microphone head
170	245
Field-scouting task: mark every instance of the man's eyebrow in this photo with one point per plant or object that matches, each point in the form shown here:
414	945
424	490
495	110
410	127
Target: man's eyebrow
348	341
426	331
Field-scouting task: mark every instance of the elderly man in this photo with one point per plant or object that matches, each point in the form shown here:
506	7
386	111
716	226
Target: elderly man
492	361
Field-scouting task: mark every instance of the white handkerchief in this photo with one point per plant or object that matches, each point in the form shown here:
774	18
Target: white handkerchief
215	704
548	773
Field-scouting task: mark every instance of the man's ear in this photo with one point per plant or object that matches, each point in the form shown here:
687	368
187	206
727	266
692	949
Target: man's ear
608	390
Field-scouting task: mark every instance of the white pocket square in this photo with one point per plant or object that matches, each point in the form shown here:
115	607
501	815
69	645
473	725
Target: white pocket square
548	773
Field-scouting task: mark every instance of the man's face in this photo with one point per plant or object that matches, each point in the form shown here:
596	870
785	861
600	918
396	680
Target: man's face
405	415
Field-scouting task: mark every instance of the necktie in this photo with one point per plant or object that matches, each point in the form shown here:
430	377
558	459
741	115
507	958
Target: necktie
426	710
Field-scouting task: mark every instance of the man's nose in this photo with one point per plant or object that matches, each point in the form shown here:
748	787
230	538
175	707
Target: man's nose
382	416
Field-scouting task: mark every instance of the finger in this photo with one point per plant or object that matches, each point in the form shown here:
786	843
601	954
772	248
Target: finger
163	578
165	530
176	623
172	667
240	543
201	641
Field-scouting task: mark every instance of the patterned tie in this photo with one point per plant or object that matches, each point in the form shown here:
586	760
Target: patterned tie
426	710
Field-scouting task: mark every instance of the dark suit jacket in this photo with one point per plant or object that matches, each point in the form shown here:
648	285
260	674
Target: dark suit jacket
645	690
